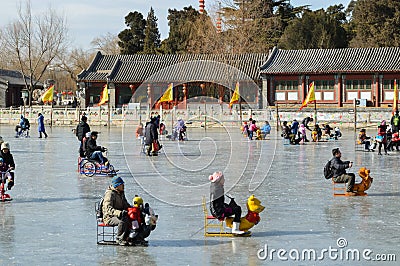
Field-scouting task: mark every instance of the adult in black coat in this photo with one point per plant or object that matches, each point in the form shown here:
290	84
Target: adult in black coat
95	152
339	171
151	135
81	129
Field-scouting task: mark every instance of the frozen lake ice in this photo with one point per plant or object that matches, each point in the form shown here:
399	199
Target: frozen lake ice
51	220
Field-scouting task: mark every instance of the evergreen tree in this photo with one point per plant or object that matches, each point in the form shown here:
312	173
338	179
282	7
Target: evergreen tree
152	40
132	39
317	30
376	23
181	24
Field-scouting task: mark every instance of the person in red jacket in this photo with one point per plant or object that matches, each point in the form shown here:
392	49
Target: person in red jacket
142	221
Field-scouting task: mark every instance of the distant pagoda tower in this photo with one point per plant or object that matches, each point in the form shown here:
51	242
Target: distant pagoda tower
201	6
219	19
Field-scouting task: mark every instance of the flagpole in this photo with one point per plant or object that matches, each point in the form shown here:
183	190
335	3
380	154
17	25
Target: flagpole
396	94
109	111
315	111
240	110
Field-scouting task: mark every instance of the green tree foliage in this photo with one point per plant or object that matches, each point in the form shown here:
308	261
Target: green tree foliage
181	24
376	23
152	40
316	30
132	39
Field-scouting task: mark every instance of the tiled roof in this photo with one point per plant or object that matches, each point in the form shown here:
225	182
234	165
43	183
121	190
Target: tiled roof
174	68
345	60
13	77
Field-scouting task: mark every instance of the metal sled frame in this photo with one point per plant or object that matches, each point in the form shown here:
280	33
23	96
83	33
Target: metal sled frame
106	234
211	222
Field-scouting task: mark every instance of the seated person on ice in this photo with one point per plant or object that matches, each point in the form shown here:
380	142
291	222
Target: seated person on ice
218	207
22	126
95	152
180	128
339	171
266	129
6	176
8	161
364	139
142	221
394	142
316	134
285	130
115	208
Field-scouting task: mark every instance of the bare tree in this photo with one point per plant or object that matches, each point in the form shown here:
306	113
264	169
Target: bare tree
107	44
34	42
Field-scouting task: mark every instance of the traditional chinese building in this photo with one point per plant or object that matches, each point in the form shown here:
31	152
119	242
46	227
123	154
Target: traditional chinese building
144	78
339	75
12	88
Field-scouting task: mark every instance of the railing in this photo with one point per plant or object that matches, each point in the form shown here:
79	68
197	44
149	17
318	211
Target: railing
207	116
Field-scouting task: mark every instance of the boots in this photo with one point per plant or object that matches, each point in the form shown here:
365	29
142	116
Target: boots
235	229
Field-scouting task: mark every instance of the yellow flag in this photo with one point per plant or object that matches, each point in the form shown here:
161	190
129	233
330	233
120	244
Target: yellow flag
104	95
48	95
310	96
395	97
168	94
235	96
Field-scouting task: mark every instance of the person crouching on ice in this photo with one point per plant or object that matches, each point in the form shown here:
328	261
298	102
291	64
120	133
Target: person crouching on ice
218	207
143	221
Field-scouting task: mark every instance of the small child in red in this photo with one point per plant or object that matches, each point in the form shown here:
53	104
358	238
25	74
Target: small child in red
135	215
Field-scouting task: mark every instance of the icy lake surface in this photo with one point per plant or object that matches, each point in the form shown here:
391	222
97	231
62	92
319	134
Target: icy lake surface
51	220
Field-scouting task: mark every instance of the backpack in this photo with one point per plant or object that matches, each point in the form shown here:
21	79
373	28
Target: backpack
328	173
99	210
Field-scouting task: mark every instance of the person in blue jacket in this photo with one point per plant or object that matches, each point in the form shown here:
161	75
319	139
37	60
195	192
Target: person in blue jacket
41	128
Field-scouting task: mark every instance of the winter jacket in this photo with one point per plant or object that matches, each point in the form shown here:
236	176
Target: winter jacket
91	146
8	159
151	133
41	123
114	203
339	167
217	204
81	129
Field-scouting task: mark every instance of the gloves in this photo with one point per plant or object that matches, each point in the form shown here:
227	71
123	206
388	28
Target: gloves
123	213
103	149
147	219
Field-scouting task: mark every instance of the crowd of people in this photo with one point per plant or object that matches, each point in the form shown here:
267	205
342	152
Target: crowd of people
296	132
251	130
387	136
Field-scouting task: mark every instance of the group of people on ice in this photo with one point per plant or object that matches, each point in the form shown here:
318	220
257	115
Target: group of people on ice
251	130
135	222
387	136
88	147
149	134
24	126
297	132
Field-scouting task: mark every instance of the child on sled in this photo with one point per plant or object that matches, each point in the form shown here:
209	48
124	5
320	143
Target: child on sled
218	207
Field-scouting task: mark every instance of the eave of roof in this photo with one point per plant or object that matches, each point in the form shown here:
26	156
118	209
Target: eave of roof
177	67
346	60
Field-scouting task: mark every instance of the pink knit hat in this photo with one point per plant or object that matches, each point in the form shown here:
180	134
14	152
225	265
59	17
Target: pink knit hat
216	176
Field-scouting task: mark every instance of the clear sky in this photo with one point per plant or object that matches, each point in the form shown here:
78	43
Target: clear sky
88	19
